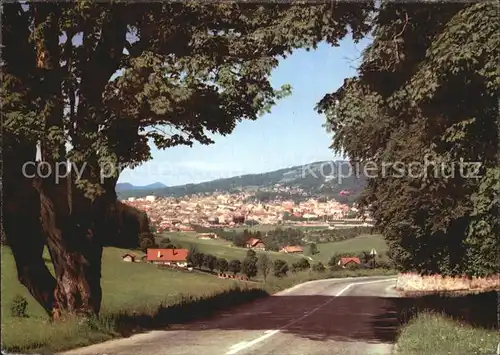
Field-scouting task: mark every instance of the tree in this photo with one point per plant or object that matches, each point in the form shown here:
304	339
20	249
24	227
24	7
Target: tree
147	241
199	258
251	253
319	267
209	262
235	266
190	67
427	96
222	265
165	241
313	249
264	265
302	264
249	267
280	268
191	257
333	262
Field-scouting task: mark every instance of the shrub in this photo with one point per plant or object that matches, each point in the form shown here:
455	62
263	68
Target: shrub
18	306
319	267
280	268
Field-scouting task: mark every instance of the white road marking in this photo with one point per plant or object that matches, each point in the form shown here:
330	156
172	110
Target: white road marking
238	345
269	333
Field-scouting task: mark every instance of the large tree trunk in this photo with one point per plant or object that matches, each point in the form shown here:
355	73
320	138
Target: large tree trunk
22	227
72	225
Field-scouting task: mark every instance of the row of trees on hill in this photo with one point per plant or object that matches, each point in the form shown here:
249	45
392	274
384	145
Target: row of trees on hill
250	266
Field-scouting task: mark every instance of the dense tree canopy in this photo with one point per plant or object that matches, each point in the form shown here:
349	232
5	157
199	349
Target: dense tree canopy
95	83
427	92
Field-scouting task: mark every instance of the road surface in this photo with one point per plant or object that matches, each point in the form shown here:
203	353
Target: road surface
326	317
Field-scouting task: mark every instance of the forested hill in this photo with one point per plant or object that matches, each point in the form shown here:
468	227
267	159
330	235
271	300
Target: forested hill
325	177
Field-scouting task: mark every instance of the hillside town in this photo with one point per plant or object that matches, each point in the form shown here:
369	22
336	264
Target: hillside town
227	210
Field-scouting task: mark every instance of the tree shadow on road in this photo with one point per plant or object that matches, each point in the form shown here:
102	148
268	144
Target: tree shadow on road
319	318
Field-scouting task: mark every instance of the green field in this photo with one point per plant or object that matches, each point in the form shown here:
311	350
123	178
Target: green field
354	245
224	249
219	247
130	286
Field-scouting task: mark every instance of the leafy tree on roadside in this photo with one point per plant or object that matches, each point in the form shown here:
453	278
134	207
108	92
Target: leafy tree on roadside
280	268
428	96
234	266
222	265
264	265
251	253
110	80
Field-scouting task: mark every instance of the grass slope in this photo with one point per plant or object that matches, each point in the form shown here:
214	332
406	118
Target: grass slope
136	297
220	248
354	245
131	286
432	333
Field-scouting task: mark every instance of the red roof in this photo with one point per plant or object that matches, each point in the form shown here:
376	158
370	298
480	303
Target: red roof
293	249
344	261
167	254
253	241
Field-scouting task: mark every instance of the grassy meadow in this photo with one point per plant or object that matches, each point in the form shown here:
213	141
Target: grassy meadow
354	245
443	324
219	247
136	297
224	249
131	286
437	334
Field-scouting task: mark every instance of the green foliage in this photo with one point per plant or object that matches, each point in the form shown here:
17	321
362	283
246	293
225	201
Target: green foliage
249	266
235	266
264	265
302	264
18	307
196	81
147	241
319	267
209	262
313	249
427	94
222	265
251	254
280	268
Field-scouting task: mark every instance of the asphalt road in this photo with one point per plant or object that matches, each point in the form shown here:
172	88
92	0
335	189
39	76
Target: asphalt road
326	317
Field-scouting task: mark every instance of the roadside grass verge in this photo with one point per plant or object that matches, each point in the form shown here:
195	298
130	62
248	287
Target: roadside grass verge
443	324
437	334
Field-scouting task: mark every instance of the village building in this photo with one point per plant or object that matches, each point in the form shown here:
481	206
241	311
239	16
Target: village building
290	249
349	261
255	243
129	258
172	257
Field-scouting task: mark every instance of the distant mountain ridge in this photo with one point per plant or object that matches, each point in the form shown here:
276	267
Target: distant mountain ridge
126	186
323	177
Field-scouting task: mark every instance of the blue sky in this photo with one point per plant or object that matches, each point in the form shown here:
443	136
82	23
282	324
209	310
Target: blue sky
292	134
